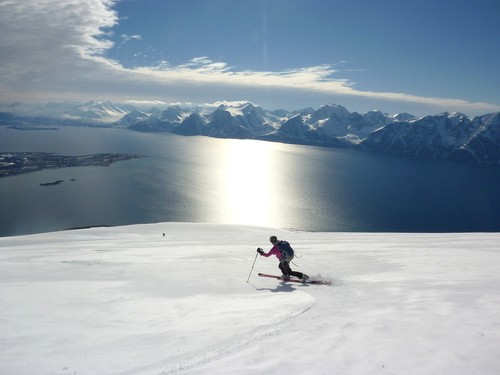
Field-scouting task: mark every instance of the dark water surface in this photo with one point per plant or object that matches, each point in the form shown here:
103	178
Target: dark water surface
200	179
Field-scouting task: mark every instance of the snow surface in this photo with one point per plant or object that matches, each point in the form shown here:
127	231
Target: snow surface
128	300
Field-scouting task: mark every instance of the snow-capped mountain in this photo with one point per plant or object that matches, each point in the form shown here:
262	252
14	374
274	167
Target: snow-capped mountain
101	111
93	112
253	118
445	136
227	121
158	121
484	145
132	118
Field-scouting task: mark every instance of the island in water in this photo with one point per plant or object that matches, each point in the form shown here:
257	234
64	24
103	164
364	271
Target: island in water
58	182
14	163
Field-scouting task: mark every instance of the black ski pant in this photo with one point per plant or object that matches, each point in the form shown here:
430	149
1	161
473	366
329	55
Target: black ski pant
287	271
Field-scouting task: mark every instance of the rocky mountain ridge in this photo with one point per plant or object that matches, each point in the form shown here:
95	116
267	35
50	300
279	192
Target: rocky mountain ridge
448	136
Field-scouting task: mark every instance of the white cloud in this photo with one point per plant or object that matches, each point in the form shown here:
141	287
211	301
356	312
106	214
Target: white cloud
55	50
49	45
126	38
145	102
235	103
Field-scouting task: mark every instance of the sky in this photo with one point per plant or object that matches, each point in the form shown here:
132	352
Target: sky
397	56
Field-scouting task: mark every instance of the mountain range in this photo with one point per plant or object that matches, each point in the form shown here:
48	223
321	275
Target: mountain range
447	136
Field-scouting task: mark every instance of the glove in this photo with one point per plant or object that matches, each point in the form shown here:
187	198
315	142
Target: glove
260	251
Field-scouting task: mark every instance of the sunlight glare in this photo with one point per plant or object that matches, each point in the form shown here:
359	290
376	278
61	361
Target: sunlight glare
248	182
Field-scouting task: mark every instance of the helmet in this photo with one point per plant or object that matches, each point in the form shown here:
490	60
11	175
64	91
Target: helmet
273	239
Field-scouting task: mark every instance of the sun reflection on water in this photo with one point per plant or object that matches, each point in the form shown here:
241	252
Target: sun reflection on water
248	182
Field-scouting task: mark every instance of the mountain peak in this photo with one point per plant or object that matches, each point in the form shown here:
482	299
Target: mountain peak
446	135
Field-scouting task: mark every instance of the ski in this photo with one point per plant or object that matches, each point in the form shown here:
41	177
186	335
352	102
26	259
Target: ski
295	280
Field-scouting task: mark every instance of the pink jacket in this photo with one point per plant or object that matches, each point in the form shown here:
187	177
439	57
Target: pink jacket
274	251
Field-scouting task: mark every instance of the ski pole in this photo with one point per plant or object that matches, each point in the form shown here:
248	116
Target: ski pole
256	255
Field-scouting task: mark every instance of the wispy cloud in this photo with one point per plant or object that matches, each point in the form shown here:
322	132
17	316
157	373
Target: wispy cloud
319	79
56	50
126	38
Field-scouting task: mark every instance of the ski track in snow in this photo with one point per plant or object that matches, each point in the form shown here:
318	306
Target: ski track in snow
237	343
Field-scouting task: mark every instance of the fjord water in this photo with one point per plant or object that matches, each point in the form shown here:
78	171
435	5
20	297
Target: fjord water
200	179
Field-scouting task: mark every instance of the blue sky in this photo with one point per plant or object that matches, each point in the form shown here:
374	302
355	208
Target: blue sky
423	57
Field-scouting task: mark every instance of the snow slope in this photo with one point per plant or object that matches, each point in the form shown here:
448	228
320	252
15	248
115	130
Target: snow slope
130	300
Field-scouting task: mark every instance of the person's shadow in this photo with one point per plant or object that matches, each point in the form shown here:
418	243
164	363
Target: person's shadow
282	287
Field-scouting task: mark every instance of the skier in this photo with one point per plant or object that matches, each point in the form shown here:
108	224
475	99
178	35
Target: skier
284	253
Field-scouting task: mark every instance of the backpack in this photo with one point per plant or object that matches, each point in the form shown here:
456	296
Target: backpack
286	251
